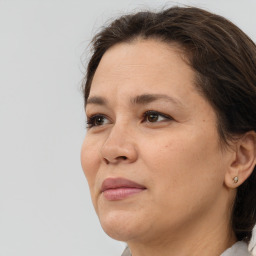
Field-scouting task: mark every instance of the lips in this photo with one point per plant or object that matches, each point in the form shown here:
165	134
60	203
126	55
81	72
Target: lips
120	188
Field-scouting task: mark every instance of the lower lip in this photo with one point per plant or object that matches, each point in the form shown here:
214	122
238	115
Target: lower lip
120	193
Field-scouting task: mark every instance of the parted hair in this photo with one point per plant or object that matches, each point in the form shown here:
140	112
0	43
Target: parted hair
223	58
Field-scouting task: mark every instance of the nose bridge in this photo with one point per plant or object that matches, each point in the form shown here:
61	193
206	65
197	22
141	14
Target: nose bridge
119	144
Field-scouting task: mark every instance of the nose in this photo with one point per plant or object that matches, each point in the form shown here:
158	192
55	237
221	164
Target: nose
119	146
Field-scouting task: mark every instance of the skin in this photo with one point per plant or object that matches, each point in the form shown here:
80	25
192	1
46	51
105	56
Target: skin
185	208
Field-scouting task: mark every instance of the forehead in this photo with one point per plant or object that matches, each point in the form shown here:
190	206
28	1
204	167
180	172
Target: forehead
144	66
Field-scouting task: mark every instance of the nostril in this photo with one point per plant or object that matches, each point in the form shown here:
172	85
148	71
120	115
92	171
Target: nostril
106	161
123	157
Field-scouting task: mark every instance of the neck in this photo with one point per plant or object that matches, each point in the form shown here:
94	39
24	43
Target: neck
209	236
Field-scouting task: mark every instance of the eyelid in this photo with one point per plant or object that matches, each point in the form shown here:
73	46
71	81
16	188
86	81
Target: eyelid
168	117
91	119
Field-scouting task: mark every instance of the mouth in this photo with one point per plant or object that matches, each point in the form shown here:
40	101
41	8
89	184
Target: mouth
119	188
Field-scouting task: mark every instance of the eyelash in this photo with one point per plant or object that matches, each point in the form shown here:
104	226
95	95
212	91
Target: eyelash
153	112
91	120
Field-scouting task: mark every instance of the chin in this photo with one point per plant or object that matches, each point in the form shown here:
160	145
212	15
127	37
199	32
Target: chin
120	225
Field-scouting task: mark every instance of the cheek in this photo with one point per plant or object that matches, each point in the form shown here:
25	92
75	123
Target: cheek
90	162
185	167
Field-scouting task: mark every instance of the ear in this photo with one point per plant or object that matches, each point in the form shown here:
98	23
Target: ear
243	162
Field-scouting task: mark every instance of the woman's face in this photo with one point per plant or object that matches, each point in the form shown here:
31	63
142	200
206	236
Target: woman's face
152	153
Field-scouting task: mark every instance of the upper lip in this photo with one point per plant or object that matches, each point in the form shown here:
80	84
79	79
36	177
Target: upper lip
112	183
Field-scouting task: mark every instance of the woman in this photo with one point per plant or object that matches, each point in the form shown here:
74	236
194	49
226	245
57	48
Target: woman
170	151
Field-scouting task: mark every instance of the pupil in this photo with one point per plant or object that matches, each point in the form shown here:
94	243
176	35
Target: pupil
99	120
152	117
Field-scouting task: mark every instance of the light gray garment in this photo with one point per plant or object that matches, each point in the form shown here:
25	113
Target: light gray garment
126	252
238	249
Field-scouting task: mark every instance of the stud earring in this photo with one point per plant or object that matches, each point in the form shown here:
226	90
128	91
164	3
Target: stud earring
235	179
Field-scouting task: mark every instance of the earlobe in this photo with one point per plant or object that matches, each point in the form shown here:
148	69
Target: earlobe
243	162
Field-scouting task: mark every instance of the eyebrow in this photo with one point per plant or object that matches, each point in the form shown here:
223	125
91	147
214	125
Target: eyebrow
148	98
143	99
96	100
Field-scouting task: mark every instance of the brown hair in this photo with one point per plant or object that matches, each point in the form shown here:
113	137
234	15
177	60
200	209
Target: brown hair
224	60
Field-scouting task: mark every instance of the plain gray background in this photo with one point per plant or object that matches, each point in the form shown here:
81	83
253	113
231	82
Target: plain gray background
45	206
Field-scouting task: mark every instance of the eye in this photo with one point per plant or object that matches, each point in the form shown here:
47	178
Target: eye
154	117
96	120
